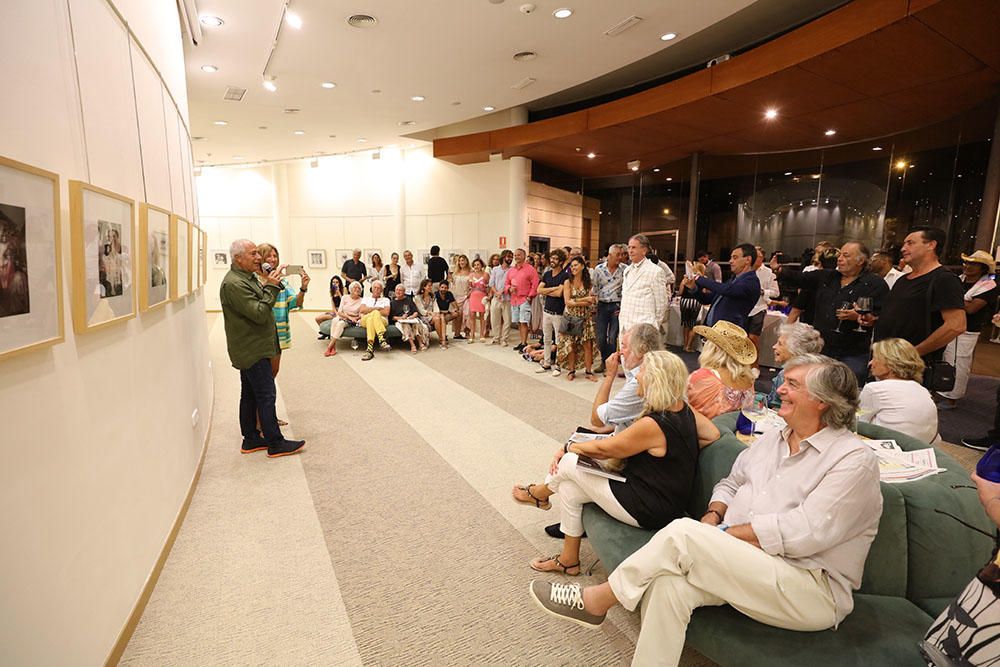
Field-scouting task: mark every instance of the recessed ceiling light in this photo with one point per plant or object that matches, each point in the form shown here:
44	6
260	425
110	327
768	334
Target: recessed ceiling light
362	21
830	133
407	123
489	108
293	20
901	164
209	68
220	122
666	211
328	84
563	13
210	21
666	37
771	114
656	170
670	178
876	148
418	98
591	155
362	140
299	132
788	173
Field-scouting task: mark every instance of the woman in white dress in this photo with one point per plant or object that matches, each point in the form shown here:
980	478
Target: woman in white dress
898	400
460	288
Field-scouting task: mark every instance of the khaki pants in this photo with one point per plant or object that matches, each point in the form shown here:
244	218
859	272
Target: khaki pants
966	346
500	319
690	564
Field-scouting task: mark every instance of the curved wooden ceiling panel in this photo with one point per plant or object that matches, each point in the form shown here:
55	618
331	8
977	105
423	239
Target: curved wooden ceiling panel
867	70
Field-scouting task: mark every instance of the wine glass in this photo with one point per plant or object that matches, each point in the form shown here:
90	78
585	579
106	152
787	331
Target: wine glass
756	409
864	306
844	305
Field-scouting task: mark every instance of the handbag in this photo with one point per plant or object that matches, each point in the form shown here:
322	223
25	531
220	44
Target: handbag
939	376
571	325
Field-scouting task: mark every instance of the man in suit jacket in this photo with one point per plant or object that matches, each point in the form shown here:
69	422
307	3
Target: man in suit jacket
733	299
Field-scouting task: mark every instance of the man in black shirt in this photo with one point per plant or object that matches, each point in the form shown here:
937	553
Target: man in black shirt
353	269
829	290
437	267
924	306
551	287
402	307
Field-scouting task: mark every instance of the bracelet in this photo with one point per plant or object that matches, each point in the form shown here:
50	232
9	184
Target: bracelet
715	512
303	290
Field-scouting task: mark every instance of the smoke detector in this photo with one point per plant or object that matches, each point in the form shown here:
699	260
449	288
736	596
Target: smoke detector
362	21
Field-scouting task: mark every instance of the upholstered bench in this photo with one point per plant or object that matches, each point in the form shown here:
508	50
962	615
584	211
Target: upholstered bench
358	332
920	560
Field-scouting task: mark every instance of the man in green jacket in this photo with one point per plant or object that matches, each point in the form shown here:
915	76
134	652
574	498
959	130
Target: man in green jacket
252	340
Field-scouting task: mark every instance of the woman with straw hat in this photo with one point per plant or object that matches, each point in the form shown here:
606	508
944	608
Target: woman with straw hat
725	381
980	304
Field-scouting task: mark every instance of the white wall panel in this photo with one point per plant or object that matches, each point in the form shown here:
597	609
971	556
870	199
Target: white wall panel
153	134
174	155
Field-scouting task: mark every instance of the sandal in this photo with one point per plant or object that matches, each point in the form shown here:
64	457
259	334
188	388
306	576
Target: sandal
590	376
536	565
535	500
571	376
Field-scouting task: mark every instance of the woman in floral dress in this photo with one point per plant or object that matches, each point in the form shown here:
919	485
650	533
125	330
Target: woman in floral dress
579	304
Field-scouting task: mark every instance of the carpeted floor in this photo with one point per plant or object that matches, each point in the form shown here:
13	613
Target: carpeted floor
392	539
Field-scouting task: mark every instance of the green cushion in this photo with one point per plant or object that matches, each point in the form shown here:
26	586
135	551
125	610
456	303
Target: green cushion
881	631
358	332
611	539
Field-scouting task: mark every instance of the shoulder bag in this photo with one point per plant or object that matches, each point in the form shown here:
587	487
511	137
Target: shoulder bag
939	376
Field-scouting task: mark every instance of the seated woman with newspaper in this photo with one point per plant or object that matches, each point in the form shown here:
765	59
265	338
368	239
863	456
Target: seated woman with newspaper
657	457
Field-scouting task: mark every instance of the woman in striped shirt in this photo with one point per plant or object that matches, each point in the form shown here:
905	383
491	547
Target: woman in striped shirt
288	299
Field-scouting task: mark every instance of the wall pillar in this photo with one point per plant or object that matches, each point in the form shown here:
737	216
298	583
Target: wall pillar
692	230
520	174
986	231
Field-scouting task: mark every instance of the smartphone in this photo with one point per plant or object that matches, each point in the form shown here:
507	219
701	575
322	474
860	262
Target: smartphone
292	269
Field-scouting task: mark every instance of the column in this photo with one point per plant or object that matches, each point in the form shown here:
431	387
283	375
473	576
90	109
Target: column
692	230
986	232
520	174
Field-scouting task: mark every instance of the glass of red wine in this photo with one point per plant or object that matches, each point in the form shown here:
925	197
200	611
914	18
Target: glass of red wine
864	306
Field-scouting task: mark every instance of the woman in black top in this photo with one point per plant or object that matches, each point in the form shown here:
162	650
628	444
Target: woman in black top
336	292
659	452
391	274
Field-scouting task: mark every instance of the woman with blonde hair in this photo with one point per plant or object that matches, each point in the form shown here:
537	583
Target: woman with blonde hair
459	278
724	382
659	457
898	400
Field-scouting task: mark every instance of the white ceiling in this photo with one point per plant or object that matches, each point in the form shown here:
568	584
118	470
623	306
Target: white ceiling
446	50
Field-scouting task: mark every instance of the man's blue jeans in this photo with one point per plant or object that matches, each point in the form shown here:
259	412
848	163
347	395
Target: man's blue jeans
607	327
257	395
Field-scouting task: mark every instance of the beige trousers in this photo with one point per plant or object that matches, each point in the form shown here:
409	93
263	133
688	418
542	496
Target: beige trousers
690	564
500	320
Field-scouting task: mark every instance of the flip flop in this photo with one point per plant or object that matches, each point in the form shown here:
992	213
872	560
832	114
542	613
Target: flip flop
559	567
535	500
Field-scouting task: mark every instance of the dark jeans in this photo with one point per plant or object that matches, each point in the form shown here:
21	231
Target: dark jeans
257	394
857	363
607	327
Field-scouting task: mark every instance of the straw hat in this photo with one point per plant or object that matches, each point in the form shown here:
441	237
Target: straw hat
732	339
981	257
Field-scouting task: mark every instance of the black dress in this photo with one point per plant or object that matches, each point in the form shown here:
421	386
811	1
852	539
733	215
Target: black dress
690	307
658	489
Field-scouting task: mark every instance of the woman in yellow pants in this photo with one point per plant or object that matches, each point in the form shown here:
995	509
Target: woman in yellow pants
374	317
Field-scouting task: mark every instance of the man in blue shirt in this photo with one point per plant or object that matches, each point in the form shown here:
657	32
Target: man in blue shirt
608	277
732	300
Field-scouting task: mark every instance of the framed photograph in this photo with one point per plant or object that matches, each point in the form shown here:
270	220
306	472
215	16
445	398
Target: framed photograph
220	259
342	255
481	253
103	239
203	253
197	258
422	256
31	308
181	255
193	249
316	259
154	257
366	257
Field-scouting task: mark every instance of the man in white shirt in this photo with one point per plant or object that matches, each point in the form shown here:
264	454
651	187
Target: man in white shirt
410	274
881	264
644	292
768	290
784	539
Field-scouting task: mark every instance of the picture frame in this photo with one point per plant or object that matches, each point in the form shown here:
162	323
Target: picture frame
481	253
154	257
220	258
31	297
193	249
181	257
366	257
342	255
204	258
316	258
103	244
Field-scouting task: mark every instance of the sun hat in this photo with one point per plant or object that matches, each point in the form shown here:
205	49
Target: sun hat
981	257
731	339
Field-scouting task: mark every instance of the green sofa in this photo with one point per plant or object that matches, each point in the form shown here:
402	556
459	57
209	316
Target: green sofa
358	332
920	560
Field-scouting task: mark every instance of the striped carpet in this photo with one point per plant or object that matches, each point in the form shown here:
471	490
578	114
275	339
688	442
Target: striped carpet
393	539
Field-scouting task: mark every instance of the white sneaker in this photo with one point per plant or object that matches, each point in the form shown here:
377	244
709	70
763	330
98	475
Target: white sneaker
556	372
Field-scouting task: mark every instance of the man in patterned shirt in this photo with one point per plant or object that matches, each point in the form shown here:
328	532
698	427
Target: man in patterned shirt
608	278
644	293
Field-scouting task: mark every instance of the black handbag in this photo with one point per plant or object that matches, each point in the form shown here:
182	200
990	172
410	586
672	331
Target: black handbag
571	325
939	376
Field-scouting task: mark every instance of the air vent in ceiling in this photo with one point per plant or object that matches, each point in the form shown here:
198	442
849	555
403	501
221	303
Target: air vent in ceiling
619	28
234	94
362	21
291	110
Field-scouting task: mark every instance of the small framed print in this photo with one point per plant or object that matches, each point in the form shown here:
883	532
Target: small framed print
220	259
196	253
154	257
103	239
181	254
316	258
31	308
203	254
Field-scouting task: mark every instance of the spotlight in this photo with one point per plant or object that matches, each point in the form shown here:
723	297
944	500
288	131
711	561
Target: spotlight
771	114
591	155
830	133
269	84
634	165
563	13
328	84
293	20
666	37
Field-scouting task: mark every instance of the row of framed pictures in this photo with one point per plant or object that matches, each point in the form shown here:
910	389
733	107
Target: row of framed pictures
115	268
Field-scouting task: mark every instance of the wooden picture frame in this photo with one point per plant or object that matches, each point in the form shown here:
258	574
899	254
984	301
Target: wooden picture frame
204	257
155	265
103	243
31	296
180	253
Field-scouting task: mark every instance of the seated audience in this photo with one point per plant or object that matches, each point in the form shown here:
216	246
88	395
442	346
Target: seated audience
794	339
725	380
402	308
660	453
898	400
336	294
445	310
784	539
374	318
616	413
425	303
348	315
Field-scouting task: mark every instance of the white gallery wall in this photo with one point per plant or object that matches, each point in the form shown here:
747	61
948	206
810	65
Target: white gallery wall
405	199
98	437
